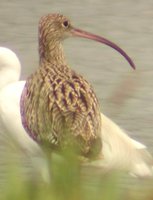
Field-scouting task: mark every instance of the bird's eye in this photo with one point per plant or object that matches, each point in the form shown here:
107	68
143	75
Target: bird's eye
65	24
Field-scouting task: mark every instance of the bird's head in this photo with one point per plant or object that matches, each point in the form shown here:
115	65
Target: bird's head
53	28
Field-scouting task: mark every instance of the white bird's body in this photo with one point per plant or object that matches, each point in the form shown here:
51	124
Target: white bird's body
10	92
119	150
10	114
122	152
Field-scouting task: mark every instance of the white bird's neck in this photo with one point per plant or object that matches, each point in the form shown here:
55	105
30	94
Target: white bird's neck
9	67
7	77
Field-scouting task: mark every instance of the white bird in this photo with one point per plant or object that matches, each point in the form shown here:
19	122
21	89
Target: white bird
119	151
10	91
11	131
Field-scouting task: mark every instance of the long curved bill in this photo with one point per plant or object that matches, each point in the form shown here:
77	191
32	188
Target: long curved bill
84	34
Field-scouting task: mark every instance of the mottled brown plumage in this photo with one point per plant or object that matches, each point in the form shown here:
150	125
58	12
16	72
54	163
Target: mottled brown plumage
57	102
58	105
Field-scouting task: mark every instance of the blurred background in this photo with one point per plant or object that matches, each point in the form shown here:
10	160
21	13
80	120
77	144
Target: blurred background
126	96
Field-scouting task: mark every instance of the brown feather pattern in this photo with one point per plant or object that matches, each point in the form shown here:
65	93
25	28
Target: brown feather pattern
57	103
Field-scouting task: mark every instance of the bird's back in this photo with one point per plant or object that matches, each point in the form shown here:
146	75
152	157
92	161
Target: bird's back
59	105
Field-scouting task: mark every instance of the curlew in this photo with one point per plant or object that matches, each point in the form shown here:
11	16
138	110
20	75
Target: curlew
58	106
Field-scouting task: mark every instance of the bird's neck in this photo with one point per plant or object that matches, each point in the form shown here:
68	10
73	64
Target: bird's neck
8	76
52	52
